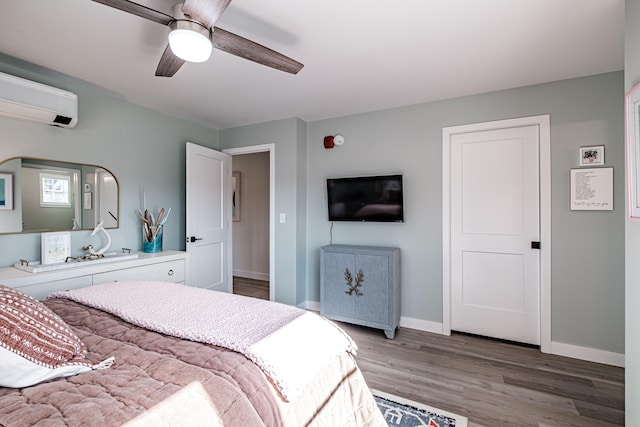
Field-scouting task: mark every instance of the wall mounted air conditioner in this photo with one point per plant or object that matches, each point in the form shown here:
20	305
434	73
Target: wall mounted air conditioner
26	100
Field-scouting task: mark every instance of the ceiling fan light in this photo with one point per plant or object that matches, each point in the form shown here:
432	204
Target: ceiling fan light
190	45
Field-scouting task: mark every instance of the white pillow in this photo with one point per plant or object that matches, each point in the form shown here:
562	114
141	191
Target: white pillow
18	372
35	343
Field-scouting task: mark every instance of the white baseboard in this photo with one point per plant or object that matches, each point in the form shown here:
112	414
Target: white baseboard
421	325
587	353
310	305
251	275
557	348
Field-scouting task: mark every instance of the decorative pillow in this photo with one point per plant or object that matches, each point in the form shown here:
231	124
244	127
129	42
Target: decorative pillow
35	343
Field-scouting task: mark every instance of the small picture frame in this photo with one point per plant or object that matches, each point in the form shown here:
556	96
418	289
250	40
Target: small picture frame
56	247
592	156
6	191
86	200
235	195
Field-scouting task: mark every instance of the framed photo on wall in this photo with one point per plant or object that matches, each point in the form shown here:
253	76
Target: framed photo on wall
592	189
632	105
592	156
235	194
6	191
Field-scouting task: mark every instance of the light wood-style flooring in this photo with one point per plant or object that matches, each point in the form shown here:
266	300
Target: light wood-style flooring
491	382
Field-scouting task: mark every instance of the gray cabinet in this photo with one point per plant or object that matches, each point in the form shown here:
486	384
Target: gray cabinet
361	285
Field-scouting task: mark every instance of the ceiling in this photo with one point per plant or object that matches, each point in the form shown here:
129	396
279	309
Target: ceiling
359	55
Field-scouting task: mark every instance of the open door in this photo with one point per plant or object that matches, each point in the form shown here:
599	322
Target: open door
208	218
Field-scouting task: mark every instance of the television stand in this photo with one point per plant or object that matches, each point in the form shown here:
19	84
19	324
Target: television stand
361	285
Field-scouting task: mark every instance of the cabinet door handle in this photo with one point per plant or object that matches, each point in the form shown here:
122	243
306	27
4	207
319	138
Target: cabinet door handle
170	273
354	288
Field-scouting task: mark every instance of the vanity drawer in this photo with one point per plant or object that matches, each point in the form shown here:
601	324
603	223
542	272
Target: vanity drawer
41	290
170	271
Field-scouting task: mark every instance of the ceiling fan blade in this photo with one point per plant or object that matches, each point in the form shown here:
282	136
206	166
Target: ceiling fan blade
244	48
205	11
138	9
169	64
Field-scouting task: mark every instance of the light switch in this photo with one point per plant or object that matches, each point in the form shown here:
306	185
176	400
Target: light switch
283	218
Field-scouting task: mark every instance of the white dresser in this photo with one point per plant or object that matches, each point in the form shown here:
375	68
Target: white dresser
168	266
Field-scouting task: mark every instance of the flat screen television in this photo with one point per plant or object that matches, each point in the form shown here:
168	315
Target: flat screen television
366	198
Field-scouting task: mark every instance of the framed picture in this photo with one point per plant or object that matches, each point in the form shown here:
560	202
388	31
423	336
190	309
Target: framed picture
592	156
6	191
592	189
86	200
632	104
56	247
235	192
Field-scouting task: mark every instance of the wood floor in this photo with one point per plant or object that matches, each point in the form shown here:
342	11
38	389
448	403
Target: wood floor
250	287
491	382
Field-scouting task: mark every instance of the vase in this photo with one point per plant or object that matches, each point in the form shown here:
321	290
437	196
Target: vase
155	245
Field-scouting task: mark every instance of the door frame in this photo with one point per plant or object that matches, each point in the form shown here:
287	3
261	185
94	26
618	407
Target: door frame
271	148
544	128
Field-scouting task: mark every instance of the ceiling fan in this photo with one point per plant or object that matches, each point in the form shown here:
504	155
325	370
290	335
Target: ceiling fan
193	36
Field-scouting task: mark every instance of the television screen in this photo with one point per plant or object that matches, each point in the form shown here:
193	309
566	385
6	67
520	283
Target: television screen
368	198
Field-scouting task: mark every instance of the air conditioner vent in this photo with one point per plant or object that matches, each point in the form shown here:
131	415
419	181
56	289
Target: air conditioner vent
62	120
26	100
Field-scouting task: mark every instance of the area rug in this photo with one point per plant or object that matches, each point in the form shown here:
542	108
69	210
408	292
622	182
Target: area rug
402	412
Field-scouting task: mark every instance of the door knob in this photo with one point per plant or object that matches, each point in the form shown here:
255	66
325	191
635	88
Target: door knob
193	239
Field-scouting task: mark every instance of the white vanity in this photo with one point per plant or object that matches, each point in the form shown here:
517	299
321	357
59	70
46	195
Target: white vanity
168	266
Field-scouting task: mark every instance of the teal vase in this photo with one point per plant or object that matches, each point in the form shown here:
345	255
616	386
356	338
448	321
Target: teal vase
153	246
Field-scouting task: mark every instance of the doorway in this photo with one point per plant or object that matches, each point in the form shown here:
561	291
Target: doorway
496	230
253	226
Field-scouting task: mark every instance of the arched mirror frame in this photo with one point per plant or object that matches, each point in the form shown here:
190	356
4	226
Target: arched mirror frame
81	199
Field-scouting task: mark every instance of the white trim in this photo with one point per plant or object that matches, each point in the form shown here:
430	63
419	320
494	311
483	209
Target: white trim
446	231
587	353
544	124
421	325
545	233
310	305
405	322
271	148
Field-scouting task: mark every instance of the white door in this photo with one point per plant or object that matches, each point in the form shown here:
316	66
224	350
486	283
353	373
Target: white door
208	220
495	224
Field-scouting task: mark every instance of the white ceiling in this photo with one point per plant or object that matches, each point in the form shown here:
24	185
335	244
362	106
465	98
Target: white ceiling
359	55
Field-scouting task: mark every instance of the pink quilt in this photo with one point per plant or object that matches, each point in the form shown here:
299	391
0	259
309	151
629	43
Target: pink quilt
290	345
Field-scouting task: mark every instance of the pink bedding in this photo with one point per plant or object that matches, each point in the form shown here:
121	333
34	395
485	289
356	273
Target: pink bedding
160	379
289	344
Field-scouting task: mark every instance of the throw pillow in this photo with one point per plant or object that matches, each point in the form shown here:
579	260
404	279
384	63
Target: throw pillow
35	343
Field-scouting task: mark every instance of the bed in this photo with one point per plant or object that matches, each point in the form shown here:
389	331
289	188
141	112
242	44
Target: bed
125	367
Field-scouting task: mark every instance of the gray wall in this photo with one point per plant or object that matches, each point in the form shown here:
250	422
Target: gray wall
251	233
587	247
11	221
35	217
284	134
632	234
144	150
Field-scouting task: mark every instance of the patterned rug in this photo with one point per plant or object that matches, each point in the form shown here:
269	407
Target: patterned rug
406	413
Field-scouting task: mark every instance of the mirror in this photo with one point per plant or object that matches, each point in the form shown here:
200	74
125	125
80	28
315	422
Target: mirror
38	195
